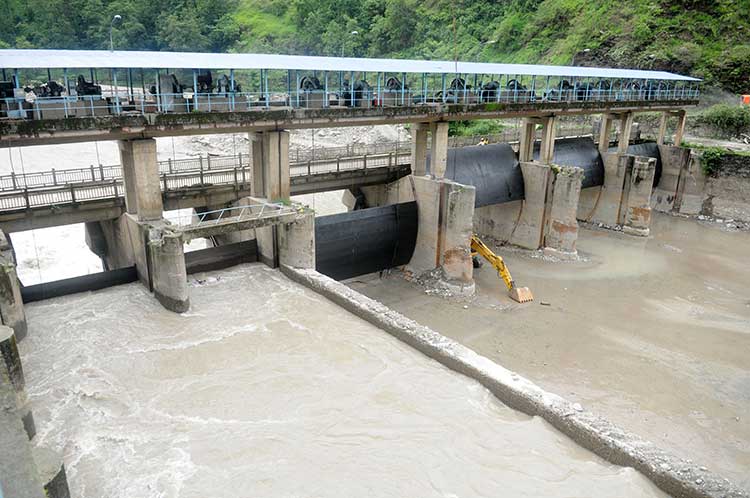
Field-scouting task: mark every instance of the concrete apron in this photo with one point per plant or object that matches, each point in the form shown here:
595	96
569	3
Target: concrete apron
675	476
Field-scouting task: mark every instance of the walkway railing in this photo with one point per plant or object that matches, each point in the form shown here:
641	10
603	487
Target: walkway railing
119	101
257	211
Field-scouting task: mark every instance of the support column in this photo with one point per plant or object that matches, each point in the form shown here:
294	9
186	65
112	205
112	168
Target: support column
638	204
528	135
296	242
529	230
605	131
256	158
271	177
562	230
419	148
140	171
439	149
626	125
680	130
662	128
547	149
168	272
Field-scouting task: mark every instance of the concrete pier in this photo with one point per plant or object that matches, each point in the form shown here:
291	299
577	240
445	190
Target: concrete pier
11	304
270	153
446	212
562	226
528	231
140	170
637	219
168	274
296	242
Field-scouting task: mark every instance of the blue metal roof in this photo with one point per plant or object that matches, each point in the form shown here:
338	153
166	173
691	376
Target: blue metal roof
32	59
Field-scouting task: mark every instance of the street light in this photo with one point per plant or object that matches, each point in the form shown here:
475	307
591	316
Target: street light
585	51
115	20
343	44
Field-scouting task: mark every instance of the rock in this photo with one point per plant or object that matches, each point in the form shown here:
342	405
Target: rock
544	303
699	481
577	407
466	307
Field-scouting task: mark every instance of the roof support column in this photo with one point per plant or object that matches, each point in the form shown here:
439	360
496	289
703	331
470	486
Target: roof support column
528	135
419	148
547	149
140	172
680	130
626	125
605	131
270	156
662	128
439	149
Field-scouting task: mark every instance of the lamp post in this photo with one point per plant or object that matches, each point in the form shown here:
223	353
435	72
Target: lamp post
115	20
343	44
585	51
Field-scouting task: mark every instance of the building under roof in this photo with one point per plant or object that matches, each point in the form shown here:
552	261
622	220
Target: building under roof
119	59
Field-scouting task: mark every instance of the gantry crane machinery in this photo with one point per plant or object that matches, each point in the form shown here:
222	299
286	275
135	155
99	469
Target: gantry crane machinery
519	294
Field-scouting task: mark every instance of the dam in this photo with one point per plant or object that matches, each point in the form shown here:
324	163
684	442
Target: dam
282	355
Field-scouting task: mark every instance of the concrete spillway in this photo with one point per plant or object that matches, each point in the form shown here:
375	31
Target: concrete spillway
267	388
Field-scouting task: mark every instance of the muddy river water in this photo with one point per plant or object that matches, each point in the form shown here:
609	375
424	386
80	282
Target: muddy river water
266	389
653	334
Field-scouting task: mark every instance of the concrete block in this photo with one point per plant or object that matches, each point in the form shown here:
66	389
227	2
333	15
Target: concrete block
296	242
498	221
692	185
638	204
10	359
562	228
529	230
168	272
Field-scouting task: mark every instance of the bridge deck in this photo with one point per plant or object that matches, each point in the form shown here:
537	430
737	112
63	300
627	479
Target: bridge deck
15	132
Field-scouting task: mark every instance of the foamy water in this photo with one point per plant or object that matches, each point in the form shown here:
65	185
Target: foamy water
265	388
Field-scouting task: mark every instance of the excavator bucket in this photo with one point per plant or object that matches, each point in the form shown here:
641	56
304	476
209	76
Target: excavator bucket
521	294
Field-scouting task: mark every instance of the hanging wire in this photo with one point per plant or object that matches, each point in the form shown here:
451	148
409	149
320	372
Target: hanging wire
98	159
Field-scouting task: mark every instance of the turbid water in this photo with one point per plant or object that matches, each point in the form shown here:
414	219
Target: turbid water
266	389
653	334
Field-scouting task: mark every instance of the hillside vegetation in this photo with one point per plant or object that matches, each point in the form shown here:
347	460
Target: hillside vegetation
705	38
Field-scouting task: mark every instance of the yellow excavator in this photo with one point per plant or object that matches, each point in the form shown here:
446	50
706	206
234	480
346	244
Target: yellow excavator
519	294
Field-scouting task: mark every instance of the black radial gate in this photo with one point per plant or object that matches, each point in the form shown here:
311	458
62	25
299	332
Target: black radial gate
365	241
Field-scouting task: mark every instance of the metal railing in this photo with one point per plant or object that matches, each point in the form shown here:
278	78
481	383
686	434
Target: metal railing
118	101
258	210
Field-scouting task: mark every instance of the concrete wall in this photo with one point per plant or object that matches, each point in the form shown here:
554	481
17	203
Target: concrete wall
11	303
140	171
26	471
561	224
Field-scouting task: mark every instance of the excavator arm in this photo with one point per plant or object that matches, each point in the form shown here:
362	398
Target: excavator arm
519	294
